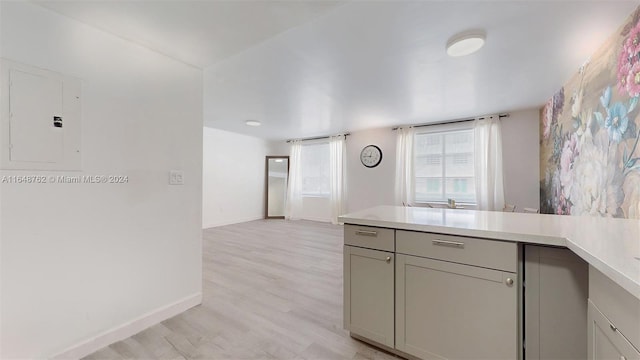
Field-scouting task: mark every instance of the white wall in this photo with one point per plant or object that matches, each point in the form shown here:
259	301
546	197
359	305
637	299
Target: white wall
521	157
316	209
280	148
233	177
368	187
81	259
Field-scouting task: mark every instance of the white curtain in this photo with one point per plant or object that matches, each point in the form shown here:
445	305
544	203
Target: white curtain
488	164
404	167
337	185
293	207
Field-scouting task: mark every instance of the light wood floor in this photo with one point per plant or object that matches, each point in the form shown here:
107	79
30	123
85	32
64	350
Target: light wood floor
272	290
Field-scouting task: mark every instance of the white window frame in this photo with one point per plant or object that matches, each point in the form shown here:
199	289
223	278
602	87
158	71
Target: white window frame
441	129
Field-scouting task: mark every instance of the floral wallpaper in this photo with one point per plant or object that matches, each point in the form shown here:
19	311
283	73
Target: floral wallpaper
589	134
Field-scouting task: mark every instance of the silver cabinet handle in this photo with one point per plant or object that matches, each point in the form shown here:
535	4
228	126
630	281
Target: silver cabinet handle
613	327
388	259
367	233
509	282
454	244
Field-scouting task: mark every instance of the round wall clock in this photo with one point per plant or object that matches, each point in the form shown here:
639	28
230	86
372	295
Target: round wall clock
371	156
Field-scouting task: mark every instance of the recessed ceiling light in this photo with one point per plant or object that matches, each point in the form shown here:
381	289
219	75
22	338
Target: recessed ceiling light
279	160
252	122
466	43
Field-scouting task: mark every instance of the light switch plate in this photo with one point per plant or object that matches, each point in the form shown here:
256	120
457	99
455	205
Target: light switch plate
176	177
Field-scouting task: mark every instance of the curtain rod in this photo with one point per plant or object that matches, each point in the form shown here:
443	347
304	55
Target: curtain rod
451	121
318	138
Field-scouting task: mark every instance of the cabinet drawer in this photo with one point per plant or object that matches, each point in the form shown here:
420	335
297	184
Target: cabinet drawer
491	254
618	305
605	339
369	237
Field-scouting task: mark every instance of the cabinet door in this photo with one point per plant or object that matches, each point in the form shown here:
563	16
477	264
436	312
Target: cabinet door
555	303
368	294
447	310
605	341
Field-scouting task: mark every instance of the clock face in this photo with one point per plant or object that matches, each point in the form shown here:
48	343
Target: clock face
371	156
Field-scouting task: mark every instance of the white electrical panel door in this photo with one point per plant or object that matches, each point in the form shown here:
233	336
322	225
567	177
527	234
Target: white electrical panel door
34	102
40	118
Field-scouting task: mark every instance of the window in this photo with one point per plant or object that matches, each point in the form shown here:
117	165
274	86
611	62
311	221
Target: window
315	170
444	166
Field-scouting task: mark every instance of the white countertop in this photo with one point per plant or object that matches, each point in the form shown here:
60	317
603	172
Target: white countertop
610	245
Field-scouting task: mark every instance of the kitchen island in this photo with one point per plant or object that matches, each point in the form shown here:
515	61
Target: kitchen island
456	287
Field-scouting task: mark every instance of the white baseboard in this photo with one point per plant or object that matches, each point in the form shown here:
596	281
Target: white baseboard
318	219
130	328
229	222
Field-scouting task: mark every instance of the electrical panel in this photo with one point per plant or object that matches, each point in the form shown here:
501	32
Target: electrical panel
40	119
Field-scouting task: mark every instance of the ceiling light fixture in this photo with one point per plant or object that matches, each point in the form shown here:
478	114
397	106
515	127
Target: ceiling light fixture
279	160
252	122
466	43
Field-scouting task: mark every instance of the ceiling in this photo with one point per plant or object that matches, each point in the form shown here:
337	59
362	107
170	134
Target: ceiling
199	32
317	68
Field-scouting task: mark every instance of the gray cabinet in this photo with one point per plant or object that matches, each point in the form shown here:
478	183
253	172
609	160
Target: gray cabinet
437	296
447	310
606	342
369	293
613	320
555	303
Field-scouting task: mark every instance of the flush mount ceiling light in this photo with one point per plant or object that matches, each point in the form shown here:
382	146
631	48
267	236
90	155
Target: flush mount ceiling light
465	43
252	122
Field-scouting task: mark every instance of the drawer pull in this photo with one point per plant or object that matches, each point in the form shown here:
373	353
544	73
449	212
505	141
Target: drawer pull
367	233
613	327
388	259
454	244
